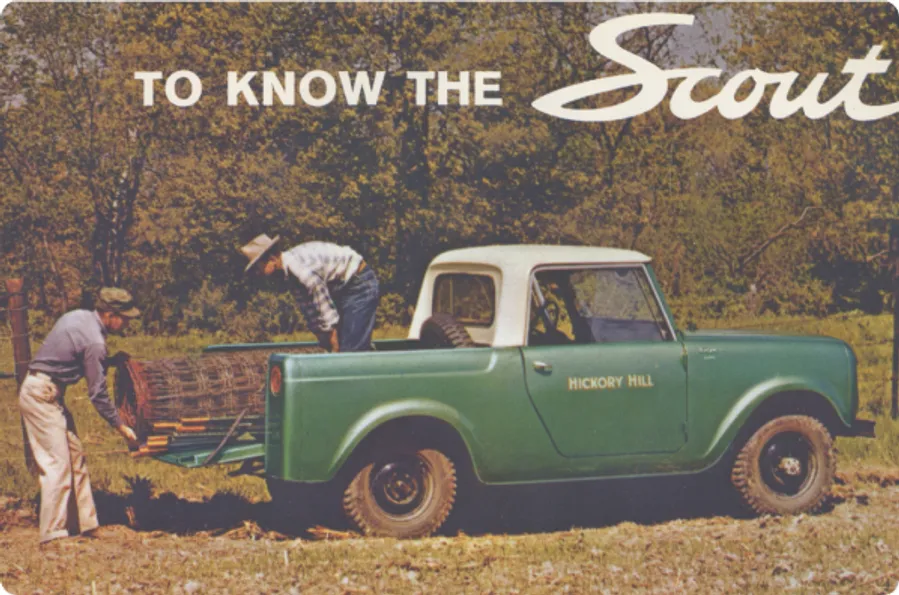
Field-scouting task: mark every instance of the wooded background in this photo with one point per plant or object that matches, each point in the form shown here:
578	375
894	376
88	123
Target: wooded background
741	217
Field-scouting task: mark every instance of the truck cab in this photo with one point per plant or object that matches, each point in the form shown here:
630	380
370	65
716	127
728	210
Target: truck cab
498	292
591	317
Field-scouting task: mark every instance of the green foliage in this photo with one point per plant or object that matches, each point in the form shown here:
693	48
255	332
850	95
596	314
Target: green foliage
393	311
207	309
266	315
749	216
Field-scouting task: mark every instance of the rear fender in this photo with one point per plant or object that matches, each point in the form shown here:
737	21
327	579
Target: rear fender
396	410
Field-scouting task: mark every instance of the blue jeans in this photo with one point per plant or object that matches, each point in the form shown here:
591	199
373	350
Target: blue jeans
356	303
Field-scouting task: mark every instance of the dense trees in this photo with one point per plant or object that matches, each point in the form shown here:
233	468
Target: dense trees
751	214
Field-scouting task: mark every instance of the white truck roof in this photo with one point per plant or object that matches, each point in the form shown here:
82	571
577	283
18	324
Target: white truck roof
532	255
510	267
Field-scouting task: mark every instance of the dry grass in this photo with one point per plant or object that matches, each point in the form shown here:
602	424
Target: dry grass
853	548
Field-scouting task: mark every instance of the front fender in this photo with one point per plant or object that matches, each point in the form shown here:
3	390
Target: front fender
375	418
752	399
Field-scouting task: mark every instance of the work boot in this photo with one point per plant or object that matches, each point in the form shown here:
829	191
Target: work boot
95	533
57	544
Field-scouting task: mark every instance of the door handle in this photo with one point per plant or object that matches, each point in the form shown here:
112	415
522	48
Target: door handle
543	366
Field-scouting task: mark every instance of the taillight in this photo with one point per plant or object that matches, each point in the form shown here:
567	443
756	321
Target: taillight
275	381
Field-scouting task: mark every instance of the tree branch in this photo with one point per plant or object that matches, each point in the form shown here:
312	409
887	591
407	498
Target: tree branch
877	256
758	250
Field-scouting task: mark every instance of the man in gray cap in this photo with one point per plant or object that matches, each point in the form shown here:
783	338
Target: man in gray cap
74	349
338	291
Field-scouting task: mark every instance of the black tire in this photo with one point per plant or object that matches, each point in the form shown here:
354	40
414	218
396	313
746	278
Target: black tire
405	493
442	331
786	467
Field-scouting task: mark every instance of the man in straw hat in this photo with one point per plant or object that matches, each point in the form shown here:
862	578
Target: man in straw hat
338	290
74	349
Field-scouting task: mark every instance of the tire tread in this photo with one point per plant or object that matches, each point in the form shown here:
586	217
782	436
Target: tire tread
355	504
447	330
748	483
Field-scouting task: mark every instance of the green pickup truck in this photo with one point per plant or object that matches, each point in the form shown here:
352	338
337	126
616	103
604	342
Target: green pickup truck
528	364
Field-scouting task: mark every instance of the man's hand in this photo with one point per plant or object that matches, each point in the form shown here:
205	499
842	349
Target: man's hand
114	361
128	434
328	340
335	345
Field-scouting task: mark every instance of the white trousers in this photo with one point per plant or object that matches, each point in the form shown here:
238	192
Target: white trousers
67	503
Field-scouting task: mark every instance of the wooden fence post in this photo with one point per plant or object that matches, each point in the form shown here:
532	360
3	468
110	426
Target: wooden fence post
21	346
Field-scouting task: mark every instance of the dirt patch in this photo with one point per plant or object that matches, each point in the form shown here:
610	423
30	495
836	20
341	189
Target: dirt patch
17	513
882	476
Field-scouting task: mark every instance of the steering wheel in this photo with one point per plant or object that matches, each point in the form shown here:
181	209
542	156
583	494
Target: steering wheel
549	311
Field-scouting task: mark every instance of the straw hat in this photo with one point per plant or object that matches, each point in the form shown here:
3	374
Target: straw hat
258	248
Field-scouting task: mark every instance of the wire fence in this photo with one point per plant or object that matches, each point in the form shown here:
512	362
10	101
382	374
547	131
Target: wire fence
15	331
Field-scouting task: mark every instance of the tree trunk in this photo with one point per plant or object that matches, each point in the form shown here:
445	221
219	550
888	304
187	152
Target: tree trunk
113	219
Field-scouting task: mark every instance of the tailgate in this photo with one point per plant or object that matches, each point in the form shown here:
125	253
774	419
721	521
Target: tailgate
232	453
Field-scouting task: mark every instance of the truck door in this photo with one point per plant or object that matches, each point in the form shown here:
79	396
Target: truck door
603	367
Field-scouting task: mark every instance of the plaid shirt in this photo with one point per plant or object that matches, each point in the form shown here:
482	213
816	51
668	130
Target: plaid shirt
320	267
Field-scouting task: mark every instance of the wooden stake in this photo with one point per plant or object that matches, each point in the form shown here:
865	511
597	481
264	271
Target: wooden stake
21	347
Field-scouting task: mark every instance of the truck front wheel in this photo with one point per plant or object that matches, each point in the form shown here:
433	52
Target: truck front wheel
404	493
786	467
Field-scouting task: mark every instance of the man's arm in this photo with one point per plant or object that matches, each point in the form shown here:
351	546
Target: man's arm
95	375
317	306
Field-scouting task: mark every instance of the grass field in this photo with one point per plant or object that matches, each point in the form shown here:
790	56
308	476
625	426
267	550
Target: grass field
203	531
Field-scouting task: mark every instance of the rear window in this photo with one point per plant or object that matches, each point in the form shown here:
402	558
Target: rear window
470	299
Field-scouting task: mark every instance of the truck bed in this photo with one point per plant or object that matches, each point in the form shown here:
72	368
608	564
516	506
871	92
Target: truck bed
255	448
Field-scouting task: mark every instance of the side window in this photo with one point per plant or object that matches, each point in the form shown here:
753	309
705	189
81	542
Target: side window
470	299
595	306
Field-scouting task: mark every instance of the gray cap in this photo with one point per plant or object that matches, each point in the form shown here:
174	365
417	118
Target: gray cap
117	301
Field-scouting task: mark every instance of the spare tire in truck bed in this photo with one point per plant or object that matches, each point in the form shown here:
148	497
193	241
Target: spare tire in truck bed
442	331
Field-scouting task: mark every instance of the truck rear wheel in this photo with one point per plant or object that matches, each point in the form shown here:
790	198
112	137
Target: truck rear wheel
404	493
786	467
442	331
